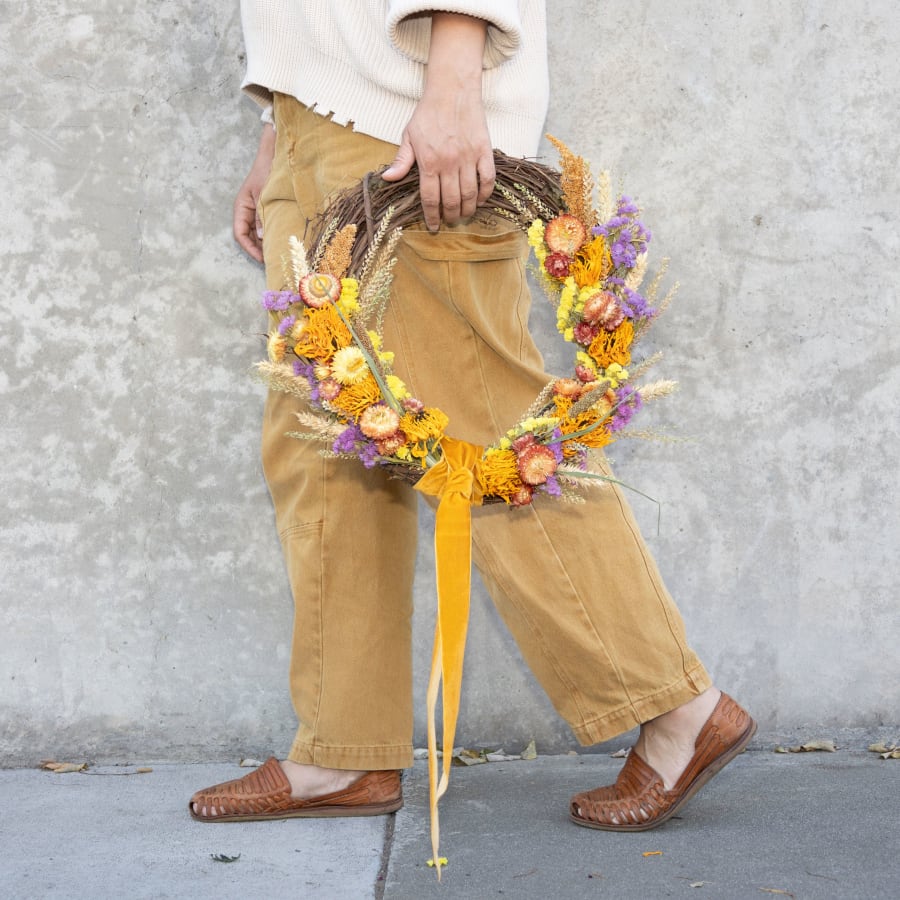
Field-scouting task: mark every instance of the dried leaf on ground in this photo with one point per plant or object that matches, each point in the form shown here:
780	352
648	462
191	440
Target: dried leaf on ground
530	752
652	853
249	763
500	756
620	754
469	758
221	857
61	768
809	747
699	883
776	891
143	770
886	751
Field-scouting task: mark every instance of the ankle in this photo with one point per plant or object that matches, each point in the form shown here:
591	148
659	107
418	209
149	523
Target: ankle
308	780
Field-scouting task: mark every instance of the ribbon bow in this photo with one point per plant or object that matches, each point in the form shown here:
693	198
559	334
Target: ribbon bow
456	481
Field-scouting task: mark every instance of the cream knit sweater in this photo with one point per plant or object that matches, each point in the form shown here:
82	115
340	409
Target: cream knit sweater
363	61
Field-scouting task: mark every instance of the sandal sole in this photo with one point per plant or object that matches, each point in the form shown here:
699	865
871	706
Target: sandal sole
322	812
702	778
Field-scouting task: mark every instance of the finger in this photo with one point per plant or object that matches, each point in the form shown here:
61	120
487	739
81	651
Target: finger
402	163
430	196
451	198
468	192
244	230
487	175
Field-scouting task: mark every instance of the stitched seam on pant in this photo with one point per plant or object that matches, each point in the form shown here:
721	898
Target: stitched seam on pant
573	689
666	608
321	641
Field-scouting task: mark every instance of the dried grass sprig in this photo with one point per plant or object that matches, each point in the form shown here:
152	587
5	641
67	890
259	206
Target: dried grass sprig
281	377
644	367
336	258
656	389
293	263
577	183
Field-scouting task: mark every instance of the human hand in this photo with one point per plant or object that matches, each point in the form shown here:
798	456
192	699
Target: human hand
447	135
246	226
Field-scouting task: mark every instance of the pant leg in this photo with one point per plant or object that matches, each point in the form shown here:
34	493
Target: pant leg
348	534
574	582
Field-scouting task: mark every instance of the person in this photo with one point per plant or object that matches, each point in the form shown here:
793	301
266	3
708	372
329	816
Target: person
353	86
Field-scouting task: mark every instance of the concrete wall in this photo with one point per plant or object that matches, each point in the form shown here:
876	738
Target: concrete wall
144	607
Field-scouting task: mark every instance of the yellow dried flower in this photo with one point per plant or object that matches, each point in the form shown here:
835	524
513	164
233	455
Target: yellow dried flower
423	426
348	302
276	347
348	366
356	398
397	387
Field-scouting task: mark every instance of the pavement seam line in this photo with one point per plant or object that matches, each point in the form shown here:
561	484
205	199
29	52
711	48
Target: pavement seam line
381	877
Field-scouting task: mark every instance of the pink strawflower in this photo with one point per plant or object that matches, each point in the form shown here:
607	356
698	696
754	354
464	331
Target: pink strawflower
603	309
379	422
390	445
536	463
585	373
329	389
318	289
557	265
522	497
585	333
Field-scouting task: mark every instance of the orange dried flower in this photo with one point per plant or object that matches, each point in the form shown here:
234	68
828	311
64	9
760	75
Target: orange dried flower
613	346
536	463
499	472
379	422
592	263
356	398
564	234
324	334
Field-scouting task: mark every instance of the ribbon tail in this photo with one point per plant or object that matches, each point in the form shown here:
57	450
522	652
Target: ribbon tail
453	558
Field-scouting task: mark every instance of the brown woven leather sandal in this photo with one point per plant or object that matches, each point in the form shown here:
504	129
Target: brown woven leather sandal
266	794
639	800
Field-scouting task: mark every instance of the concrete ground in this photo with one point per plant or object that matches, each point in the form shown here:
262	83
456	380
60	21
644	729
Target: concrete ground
812	825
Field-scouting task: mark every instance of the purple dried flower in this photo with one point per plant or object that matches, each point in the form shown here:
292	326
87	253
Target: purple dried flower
629	401
551	486
346	441
278	301
286	324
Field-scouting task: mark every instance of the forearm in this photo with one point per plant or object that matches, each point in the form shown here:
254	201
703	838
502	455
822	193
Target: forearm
455	55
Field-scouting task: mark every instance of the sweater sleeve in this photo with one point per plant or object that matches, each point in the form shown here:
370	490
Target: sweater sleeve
409	26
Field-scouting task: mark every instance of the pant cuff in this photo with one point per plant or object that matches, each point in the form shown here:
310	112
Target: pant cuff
605	728
339	756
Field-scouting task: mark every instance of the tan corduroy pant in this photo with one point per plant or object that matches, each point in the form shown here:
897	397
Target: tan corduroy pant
574	583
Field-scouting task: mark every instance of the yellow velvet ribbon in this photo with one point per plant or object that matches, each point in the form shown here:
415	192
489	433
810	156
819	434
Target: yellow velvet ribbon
456	481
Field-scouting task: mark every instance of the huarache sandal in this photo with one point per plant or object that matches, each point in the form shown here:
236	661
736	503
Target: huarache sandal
266	794
639	800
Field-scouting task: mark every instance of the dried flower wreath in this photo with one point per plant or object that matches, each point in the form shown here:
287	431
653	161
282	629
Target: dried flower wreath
326	349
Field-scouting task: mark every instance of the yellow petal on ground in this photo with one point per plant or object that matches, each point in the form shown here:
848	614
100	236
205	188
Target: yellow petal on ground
530	752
